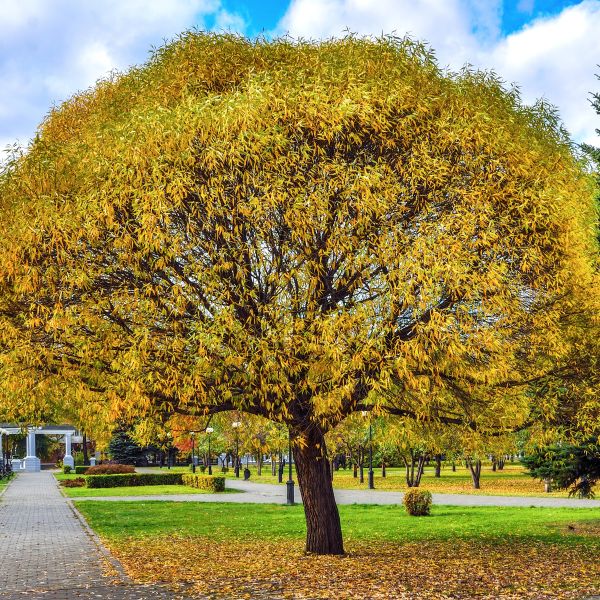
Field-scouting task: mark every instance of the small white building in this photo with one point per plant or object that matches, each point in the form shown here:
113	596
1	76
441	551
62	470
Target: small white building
31	462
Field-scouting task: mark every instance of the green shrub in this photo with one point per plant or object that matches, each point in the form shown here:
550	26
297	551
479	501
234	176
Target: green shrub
417	502
131	479
71	483
109	469
66	469
204	482
80	469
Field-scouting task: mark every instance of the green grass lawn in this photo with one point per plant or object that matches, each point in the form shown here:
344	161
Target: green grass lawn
137	490
134	490
359	522
456	552
5	482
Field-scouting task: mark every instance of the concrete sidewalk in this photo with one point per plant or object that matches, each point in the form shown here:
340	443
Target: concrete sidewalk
265	493
48	552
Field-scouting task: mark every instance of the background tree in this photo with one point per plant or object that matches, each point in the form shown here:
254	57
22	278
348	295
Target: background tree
294	230
124	449
575	467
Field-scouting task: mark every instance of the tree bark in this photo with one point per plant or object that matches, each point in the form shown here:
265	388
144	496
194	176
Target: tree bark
416	460
323	528
86	460
475	468
438	465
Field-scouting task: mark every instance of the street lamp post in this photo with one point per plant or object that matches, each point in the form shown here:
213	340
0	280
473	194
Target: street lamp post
193	434
169	454
236	425
371	478
209	430
290	483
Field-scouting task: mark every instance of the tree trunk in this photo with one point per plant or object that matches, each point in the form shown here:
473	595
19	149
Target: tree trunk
453	467
273	466
475	469
383	468
86	460
323	528
438	465
259	464
416	460
355	470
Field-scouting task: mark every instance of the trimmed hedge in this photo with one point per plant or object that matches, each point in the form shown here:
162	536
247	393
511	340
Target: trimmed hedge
131	479
109	469
204	482
71	483
81	469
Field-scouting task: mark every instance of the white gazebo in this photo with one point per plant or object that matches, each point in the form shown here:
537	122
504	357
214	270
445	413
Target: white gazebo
31	462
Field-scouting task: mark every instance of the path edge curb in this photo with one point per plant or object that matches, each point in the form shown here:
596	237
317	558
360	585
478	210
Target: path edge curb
106	553
8	484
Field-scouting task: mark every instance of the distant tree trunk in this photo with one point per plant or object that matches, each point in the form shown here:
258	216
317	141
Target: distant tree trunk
355	470
475	468
453	467
438	465
86	460
273	466
501	463
494	464
361	464
383	468
417	459
323	528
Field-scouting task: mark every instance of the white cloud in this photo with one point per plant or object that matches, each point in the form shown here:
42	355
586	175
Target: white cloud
446	25
50	50
554	57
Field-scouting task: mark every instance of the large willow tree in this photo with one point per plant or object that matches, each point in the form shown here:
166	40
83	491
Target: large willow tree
296	230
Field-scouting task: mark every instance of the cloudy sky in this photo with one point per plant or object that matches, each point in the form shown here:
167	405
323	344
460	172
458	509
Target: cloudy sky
49	49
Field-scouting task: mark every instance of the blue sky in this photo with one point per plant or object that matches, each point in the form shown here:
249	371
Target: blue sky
50	49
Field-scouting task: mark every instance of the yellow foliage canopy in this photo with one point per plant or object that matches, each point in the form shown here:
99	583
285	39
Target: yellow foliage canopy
292	229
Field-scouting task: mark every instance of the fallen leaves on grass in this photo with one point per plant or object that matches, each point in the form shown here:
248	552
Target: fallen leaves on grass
519	485
371	571
587	528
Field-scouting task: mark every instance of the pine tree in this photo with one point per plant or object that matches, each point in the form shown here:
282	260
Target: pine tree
123	449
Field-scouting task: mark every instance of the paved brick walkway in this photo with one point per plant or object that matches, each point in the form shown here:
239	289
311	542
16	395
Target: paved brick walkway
47	552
